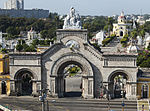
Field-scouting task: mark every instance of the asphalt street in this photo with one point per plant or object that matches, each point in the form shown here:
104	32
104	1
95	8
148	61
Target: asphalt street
63	104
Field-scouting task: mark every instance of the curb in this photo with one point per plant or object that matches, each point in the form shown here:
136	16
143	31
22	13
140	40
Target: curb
4	108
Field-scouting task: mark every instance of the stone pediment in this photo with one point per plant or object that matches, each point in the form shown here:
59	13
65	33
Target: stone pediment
63	33
74	40
53	49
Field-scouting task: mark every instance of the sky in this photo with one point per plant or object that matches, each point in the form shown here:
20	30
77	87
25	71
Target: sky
90	7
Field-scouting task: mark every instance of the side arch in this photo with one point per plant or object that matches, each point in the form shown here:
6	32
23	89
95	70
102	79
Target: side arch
129	77
118	85
17	74
25	82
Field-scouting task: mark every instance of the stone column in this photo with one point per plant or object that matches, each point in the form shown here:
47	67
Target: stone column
128	91
12	88
131	91
90	88
52	86
38	87
84	87
110	89
106	88
134	91
34	88
61	87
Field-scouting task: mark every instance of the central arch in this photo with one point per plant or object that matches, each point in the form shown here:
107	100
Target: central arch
58	76
72	81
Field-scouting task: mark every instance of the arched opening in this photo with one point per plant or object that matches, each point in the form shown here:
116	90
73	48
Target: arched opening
69	80
145	91
4	87
117	85
121	33
23	83
72	70
26	84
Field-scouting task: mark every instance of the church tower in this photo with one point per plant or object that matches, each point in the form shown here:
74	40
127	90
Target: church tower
122	18
122	27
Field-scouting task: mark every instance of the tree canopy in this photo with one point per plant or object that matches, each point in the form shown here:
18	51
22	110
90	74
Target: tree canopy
13	26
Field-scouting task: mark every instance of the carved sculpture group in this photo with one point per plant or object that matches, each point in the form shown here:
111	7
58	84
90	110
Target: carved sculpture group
72	21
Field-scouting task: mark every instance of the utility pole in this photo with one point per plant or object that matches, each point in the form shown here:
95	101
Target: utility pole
108	103
108	98
42	98
47	106
123	92
43	102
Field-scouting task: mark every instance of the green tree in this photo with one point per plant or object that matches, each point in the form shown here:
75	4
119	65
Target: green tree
143	59
12	31
3	51
25	46
145	63
44	34
142	33
124	40
134	34
19	47
106	28
30	48
35	42
51	33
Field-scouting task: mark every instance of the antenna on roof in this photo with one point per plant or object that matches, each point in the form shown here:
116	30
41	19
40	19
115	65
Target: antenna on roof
141	12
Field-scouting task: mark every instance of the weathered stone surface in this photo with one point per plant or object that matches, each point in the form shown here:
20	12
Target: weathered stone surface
98	68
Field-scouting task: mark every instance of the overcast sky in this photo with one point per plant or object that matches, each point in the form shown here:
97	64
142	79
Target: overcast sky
90	7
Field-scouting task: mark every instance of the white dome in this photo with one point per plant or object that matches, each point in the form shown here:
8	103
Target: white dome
148	39
132	49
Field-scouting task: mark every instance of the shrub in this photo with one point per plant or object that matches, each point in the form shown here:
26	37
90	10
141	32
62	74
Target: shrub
108	40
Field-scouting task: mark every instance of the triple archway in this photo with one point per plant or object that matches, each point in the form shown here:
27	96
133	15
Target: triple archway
87	82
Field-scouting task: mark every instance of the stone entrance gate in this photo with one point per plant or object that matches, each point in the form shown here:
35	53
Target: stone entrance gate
73	47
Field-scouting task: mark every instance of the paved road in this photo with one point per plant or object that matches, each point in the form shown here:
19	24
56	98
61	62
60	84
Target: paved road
63	104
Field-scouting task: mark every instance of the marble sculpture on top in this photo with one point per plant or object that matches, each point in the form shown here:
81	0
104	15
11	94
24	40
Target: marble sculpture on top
72	21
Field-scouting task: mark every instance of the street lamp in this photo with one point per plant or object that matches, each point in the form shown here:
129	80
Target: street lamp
108	99
108	102
123	92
